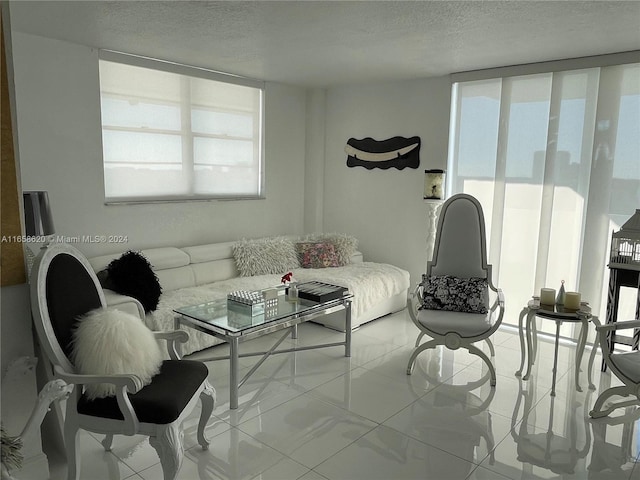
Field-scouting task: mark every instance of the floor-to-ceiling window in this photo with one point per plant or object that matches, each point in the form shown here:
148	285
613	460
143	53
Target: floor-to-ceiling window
554	158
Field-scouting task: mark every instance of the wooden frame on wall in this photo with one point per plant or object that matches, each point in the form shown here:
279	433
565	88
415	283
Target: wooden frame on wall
12	267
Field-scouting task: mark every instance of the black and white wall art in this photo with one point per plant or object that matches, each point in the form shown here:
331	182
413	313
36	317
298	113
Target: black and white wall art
396	152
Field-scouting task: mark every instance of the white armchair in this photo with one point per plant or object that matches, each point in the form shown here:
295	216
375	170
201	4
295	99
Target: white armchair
63	288
459	253
624	365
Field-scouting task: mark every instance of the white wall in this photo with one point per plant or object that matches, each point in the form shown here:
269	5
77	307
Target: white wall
58	118
384	209
58	101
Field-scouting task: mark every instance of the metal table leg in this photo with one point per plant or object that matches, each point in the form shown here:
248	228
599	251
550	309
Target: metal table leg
555	359
531	317
347	337
523	352
581	344
233	373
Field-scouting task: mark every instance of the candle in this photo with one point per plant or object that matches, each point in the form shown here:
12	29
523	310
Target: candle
572	300
548	296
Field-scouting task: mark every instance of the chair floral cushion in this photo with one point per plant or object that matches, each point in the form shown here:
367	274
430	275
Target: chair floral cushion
446	292
317	255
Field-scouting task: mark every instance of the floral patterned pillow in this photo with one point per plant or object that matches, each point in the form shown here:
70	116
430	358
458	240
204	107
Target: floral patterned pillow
446	292
317	255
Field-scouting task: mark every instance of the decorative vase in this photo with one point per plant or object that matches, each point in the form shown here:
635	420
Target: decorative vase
561	294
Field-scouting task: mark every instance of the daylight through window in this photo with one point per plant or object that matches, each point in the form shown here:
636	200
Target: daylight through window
171	132
554	158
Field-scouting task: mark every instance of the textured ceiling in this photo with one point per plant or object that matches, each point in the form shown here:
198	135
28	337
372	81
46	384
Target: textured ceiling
335	42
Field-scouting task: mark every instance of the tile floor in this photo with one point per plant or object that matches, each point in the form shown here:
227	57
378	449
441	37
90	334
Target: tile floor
316	415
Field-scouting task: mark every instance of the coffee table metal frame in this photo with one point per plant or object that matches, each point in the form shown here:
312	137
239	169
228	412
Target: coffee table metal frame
290	322
528	328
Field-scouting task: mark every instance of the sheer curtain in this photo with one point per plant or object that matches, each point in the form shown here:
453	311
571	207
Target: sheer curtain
554	158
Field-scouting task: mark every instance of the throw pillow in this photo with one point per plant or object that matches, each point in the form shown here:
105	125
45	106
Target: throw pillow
265	256
456	294
111	342
344	245
317	255
132	275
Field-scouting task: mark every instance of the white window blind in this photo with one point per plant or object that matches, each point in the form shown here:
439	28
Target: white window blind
554	158
172	132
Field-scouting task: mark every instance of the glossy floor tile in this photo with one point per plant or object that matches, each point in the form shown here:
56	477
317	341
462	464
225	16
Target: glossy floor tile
317	415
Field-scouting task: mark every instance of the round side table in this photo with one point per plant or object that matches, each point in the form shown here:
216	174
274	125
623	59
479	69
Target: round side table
558	314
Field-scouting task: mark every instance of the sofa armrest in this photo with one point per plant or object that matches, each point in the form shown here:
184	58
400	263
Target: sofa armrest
124	303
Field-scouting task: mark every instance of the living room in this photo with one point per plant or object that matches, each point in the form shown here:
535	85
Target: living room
308	187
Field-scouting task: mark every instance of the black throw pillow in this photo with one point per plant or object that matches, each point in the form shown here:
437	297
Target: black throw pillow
132	275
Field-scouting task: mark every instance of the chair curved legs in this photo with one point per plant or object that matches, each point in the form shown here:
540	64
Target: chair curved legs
417	351
106	442
623	391
168	444
476	351
471	348
491	349
208	400
422	334
71	431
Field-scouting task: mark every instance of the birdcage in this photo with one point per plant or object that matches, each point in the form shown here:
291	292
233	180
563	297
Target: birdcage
625	245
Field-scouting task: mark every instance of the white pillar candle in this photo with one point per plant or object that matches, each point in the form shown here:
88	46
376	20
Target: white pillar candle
572	300
548	296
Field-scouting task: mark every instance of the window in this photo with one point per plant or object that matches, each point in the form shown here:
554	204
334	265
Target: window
171	132
554	158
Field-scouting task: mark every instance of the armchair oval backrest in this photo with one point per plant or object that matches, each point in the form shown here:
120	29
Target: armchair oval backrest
63	288
460	244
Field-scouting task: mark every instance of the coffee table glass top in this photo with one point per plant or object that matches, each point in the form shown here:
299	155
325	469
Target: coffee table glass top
216	314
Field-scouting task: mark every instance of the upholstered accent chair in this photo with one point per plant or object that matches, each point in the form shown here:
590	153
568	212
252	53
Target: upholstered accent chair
457	304
624	365
64	287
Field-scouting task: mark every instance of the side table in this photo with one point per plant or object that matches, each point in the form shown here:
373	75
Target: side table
558	314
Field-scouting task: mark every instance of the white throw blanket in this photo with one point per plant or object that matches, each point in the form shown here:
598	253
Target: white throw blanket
369	282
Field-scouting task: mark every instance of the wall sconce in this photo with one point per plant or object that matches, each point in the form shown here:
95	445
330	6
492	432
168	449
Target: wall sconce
434	184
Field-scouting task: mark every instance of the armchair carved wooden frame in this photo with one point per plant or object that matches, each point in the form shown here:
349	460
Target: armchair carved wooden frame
65	287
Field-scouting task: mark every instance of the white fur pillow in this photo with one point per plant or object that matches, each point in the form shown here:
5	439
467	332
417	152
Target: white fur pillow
108	342
265	256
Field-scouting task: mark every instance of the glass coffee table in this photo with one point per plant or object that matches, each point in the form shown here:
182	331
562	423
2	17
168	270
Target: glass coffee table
236	326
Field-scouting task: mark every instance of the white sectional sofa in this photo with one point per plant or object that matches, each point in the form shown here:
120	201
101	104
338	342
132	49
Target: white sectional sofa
190	275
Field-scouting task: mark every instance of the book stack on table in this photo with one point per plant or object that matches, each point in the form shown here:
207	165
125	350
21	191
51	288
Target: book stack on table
320	292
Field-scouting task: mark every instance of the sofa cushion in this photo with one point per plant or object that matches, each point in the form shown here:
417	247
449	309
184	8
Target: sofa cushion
317	255
209	252
166	257
344	245
265	256
132	275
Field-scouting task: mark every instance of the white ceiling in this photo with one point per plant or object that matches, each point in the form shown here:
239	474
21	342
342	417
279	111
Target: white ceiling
327	43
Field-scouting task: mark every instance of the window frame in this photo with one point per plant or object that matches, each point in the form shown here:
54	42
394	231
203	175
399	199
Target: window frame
257	139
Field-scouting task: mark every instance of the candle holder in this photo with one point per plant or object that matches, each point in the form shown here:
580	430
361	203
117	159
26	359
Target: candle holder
547	296
572	300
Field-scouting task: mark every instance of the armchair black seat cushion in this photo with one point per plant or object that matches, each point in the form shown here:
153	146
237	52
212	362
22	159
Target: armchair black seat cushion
160	402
